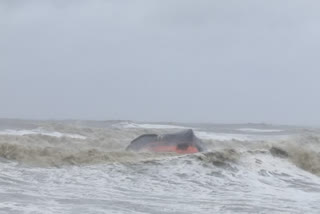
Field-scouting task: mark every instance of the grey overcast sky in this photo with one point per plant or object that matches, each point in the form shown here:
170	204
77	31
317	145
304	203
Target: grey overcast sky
226	61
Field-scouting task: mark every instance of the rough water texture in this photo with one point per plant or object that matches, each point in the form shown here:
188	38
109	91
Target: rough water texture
82	167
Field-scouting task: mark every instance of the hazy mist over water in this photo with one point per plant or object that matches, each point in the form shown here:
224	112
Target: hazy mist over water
189	61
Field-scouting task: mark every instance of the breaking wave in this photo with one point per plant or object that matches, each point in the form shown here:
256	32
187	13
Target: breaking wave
52	149
55	146
304	151
49	163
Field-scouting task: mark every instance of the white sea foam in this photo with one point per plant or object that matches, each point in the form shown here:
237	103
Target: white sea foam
239	137
40	131
223	136
259	130
129	125
40	174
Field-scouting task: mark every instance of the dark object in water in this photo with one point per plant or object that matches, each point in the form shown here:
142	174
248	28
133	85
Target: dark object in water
278	152
182	142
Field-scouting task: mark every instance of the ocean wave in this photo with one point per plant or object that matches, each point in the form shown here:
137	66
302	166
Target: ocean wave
129	125
259	130
304	151
44	147
96	174
40	131
99	146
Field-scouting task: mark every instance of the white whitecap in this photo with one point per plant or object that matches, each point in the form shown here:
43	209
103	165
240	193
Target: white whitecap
240	137
259	130
40	132
128	125
222	136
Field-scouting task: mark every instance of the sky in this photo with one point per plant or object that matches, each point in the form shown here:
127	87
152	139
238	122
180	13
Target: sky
211	61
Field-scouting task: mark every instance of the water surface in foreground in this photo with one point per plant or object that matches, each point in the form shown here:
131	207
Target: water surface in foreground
81	167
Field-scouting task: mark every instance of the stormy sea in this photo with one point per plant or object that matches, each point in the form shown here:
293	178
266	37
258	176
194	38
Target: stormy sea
82	167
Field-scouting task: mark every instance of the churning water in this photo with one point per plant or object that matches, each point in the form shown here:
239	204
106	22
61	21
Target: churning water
82	167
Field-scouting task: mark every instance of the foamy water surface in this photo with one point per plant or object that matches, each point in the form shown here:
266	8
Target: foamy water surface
82	167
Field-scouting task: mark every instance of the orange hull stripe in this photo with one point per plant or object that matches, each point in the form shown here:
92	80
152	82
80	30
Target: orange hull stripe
190	149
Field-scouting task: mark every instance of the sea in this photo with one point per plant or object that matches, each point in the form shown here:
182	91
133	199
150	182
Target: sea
78	166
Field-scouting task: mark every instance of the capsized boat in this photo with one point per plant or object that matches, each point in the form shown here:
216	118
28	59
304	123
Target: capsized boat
184	142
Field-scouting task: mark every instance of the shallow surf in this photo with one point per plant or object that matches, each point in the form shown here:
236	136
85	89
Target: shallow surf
248	168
